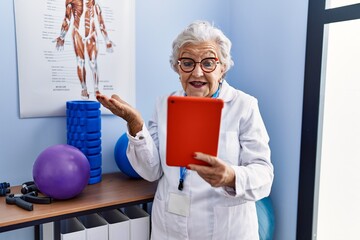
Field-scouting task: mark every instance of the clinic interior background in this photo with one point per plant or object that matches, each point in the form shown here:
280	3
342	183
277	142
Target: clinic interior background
269	52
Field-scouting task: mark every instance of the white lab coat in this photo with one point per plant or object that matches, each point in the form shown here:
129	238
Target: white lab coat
215	213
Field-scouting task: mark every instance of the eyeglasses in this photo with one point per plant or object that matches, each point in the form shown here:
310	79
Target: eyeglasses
188	65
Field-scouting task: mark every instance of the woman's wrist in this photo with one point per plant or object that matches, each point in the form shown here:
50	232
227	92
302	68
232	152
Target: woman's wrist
231	178
135	126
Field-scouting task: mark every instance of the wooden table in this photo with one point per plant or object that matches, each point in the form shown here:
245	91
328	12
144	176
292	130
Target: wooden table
114	191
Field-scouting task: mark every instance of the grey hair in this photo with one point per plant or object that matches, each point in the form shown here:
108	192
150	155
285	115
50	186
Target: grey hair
198	32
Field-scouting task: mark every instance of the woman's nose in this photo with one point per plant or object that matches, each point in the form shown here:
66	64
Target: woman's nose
198	72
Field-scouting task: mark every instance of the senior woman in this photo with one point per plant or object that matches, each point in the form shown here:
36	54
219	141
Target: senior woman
216	201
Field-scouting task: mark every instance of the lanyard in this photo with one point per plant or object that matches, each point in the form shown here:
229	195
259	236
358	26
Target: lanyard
183	169
182	178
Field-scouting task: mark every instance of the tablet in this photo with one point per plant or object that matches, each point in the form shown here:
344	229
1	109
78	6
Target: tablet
193	125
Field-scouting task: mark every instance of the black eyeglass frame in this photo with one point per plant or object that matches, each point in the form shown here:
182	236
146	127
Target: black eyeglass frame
201	66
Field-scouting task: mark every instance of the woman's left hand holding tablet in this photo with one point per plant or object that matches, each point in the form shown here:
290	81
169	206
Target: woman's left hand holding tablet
217	174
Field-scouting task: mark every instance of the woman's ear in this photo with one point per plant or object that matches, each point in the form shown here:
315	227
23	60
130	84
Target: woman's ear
223	68
177	67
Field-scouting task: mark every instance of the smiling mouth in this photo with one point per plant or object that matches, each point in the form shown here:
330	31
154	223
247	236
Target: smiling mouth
197	84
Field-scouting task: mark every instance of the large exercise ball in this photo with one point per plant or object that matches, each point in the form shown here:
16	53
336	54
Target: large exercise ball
121	159
266	218
61	171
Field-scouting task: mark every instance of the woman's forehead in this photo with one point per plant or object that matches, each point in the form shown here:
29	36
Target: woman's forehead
199	50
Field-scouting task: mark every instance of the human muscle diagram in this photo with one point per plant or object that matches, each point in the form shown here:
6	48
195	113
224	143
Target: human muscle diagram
74	49
84	43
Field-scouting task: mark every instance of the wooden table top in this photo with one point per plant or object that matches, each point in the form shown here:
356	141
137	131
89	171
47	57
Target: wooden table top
114	189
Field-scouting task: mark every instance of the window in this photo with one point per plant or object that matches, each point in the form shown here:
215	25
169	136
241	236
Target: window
329	163
339	3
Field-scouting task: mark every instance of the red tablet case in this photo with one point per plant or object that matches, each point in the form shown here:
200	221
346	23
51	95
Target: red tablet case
193	125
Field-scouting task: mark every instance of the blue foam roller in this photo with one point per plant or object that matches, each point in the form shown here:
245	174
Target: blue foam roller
95	172
83	113
82	105
84	144
91	151
95	160
94	180
83	124
83	136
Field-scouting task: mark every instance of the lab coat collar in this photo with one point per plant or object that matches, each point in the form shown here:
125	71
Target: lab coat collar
227	92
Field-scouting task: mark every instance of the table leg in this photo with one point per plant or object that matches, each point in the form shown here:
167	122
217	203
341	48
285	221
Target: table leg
37	232
57	230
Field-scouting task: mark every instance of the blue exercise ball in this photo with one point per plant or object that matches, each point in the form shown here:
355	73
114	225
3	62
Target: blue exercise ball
266	218
121	159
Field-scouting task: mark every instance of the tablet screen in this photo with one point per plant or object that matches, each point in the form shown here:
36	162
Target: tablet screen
193	125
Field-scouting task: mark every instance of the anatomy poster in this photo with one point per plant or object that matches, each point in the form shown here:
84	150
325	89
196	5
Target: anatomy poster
70	49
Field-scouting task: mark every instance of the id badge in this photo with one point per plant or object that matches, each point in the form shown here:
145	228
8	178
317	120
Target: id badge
179	204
